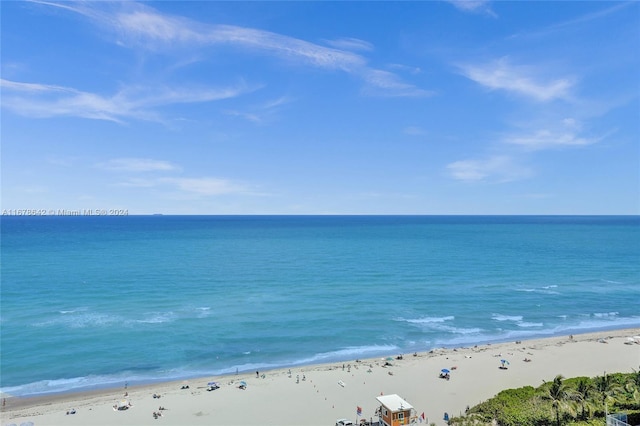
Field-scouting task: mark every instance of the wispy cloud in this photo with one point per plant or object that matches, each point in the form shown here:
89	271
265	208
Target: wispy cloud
348	43
34	87
283	46
384	83
583	19
551	134
41	100
522	80
206	185
500	168
405	68
474	6
200	186
161	174
138	165
545	139
261	113
566	133
139	25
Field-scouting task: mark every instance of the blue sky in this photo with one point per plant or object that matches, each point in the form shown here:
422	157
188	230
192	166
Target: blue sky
322	107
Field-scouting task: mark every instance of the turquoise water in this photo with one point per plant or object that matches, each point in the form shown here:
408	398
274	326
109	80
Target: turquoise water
99	301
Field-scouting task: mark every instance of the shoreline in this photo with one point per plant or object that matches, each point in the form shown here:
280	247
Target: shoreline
98	388
475	377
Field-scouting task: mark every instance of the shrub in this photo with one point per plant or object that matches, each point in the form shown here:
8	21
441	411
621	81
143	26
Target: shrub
581	403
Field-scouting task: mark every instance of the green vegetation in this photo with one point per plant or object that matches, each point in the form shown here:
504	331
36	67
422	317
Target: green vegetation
580	401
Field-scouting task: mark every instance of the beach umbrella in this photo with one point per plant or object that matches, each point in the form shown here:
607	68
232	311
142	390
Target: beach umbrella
445	371
504	361
212	383
389	359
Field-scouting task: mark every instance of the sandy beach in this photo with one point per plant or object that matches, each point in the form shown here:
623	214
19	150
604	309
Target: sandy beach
320	394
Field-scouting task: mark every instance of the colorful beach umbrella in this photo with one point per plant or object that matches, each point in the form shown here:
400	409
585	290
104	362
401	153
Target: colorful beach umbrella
445	371
504	361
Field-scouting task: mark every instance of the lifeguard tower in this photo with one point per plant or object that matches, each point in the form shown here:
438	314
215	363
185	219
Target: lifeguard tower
395	411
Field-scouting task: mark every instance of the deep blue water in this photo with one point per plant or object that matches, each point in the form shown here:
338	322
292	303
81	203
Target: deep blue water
99	301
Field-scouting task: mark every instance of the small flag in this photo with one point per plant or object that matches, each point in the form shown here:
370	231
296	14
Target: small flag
422	415
359	410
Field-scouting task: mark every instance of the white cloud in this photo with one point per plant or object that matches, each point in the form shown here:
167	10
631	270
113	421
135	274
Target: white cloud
138	24
474	6
384	83
580	20
544	139
406	68
138	165
249	116
261	113
285	47
206	185
143	23
41	100
552	134
495	169
201	186
502	75
34	87
348	43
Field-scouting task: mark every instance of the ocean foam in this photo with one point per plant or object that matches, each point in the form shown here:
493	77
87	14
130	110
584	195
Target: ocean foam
428	320
349	353
605	314
80	319
530	324
499	317
541	290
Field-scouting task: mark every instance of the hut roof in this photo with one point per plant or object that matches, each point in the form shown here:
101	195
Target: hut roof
394	403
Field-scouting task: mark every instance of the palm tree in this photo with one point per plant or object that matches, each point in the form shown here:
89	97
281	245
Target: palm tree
608	389
632	387
582	393
603	384
558	395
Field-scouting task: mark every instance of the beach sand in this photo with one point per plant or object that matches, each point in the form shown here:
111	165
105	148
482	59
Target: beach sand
312	395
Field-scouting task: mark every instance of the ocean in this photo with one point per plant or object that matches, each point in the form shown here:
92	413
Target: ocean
92	301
